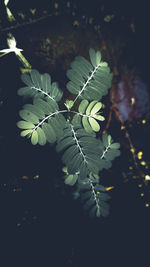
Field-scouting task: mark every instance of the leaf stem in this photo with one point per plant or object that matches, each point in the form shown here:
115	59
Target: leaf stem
47	117
84	86
94	194
77	142
105	151
38	89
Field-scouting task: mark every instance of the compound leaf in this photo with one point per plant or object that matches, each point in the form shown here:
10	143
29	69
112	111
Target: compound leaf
89	81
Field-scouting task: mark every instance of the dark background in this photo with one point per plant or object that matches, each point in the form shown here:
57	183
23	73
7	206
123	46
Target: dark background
40	223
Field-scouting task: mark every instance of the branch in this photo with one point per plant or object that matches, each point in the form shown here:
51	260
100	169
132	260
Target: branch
25	23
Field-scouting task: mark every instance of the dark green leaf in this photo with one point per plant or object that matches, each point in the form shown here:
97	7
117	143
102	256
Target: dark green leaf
49	132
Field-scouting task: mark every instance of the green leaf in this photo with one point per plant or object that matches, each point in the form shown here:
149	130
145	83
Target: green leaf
115	146
40	86
26	79
34	138
69	104
90	107
86	125
87	82
98	57
69	154
49	132
94	124
35	110
43	105
76	121
57	127
56	93
28	116
74	77
36	79
25	125
72	87
92	56
46	82
83	170
96	108
98	117
75	163
83	105
109	139
24	91
61	120
104	209
25	132
41	136
104	196
105	140
52	104
98	213
64	143
71	179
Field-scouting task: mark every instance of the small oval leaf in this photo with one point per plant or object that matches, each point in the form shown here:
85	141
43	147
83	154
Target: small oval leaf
92	56
96	108
115	146
86	125
34	138
71	179
94	124
25	125
98	117
25	132
41	137
83	105
98	57
28	116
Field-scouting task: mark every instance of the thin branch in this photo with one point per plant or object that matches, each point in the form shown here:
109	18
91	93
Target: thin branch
47	117
78	145
17	25
88	80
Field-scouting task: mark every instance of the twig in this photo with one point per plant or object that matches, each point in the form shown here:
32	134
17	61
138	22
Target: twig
25	23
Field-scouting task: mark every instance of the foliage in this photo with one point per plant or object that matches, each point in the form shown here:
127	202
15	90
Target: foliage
73	129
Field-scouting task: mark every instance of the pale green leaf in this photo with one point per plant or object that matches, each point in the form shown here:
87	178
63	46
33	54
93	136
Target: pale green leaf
90	106
98	57
96	108
94	124
25	125
86	125
25	132
41	136
109	139
83	105
34	138
71	179
69	104
98	117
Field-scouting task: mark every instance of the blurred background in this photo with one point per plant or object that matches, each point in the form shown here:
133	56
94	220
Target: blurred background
40	222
